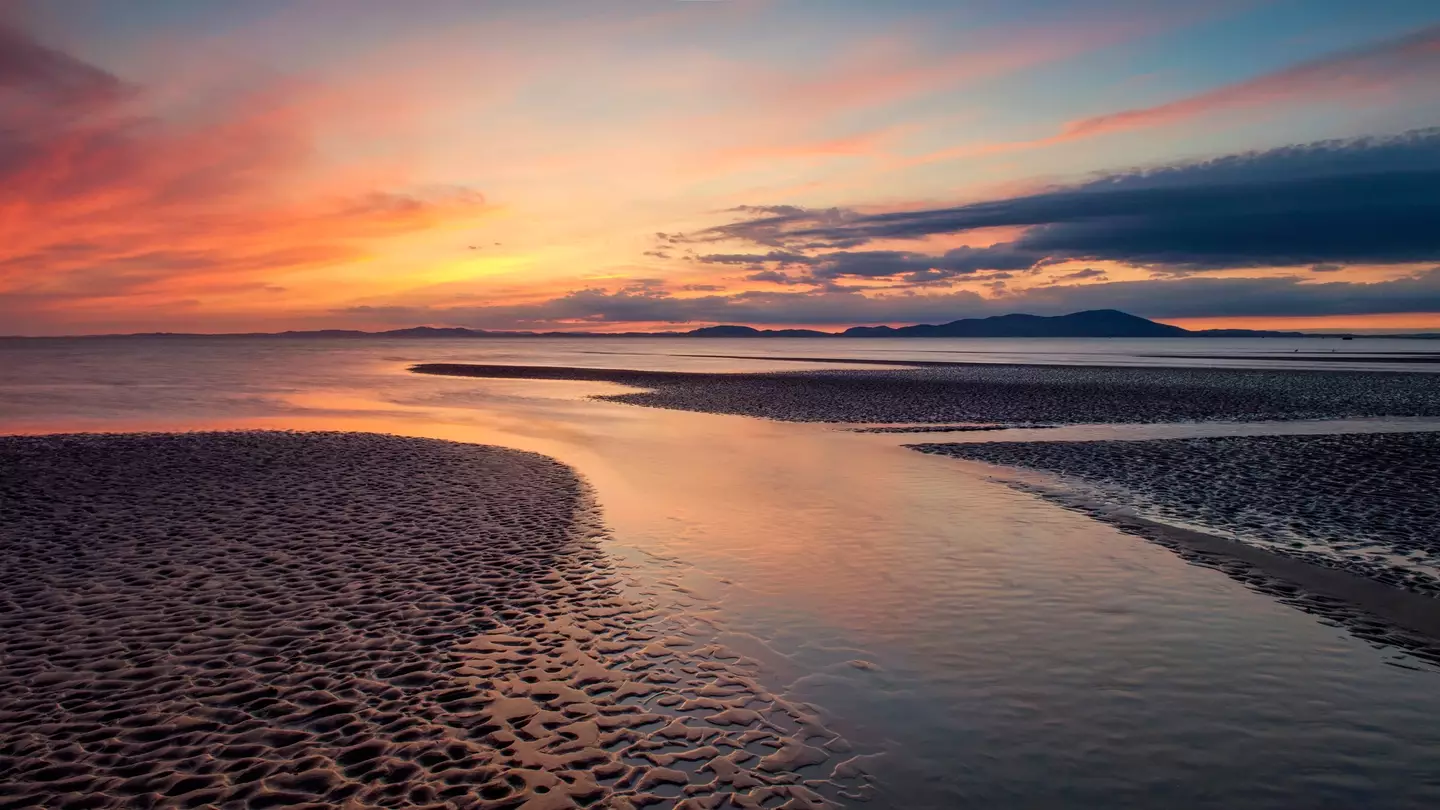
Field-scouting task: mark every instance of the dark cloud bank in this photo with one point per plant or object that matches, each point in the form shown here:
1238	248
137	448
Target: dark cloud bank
1365	201
1316	207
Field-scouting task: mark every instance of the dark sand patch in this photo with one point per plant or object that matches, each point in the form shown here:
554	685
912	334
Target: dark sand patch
947	428
1348	517
1335	357
1362	501
1009	393
844	361
1353	357
1373	611
250	620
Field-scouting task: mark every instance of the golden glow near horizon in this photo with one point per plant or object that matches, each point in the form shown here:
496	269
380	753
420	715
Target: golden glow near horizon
238	167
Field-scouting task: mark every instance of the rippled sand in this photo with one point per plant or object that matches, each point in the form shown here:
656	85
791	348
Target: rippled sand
1364	502
251	620
1359	505
1012	394
947	428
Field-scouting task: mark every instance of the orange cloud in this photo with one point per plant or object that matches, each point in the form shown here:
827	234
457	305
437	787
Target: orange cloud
101	197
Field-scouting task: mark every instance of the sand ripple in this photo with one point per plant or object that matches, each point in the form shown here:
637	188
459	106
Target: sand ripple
1362	501
1010	394
1342	525
254	620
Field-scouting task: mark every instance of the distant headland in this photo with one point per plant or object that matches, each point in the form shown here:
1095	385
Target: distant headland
1095	323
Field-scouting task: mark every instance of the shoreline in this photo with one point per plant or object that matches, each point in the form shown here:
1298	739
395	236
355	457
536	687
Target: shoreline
1338	500
285	618
1316	582
1310	585
1402	357
1000	393
989	613
1407	619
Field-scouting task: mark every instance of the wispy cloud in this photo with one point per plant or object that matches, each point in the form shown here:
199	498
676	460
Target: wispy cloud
894	67
1375	68
1408	64
800	103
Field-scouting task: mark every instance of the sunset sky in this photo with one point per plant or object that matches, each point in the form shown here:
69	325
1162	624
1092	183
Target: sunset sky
221	166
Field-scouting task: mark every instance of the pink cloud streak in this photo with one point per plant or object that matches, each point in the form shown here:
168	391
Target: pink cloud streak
1405	62
1374	68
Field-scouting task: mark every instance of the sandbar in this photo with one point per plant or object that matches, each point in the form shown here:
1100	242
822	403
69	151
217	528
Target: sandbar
252	620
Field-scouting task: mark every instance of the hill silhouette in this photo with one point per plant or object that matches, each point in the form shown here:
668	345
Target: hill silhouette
1094	323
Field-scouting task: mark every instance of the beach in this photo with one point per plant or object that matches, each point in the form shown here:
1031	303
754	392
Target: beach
1037	611
898	405
306	620
1355	501
1337	525
964	392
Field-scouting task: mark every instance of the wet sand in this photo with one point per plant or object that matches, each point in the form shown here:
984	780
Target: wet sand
1336	524
251	620
1008	394
1010	653
1323	357
1364	502
947	428
1315	357
1346	516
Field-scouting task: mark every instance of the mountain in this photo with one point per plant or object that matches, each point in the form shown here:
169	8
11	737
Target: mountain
1091	323
438	332
748	331
1254	333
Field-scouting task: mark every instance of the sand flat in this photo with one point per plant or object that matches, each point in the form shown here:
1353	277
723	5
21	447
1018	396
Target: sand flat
1362	501
250	620
1341	516
992	393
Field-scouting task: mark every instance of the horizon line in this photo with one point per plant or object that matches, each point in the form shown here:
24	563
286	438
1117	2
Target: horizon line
758	330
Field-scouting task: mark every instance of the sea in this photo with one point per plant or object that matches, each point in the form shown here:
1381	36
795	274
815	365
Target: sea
991	649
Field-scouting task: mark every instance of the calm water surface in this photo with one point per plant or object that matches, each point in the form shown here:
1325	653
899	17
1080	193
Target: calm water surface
999	651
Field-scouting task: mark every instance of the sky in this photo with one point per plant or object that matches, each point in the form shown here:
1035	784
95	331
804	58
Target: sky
212	166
